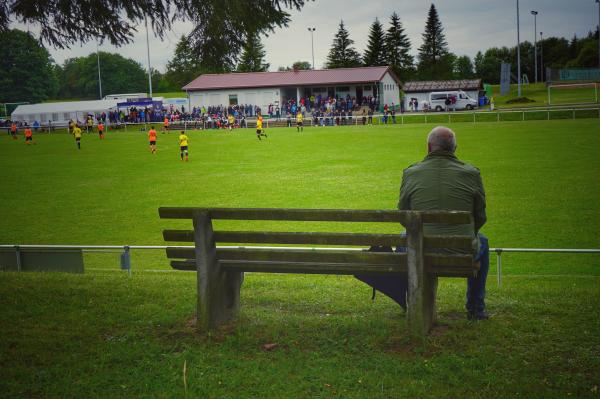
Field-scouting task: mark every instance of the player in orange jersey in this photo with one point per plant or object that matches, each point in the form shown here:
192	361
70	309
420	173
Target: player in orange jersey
28	135
152	138
165	128
101	130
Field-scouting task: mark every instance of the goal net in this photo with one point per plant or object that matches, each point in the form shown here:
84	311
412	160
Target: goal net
573	93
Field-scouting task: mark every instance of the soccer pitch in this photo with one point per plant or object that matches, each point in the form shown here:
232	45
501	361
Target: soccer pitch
104	334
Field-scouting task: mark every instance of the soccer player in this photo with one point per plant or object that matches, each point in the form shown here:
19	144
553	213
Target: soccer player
28	135
259	128
165	125
89	124
299	124
13	130
77	135
183	145
101	130
230	121
152	138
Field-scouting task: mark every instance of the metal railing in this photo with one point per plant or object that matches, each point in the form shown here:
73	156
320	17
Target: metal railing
126	260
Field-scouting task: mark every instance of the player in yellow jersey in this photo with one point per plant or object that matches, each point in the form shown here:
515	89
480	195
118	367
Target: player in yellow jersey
299	124
77	135
259	127
183	145
230	121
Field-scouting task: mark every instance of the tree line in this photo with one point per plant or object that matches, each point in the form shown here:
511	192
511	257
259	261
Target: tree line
28	73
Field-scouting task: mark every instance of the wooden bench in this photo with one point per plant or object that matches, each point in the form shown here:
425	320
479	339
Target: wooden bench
220	270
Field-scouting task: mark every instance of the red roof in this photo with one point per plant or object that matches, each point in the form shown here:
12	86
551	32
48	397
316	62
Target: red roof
441	85
289	78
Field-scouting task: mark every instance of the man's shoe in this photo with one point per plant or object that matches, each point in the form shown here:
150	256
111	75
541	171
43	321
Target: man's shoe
475	316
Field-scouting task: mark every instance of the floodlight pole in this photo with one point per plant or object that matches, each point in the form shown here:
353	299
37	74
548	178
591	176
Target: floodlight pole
312	45
598	1
535	13
148	47
518	54
542	57
99	76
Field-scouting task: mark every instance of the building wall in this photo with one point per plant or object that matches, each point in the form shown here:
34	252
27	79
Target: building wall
257	96
390	90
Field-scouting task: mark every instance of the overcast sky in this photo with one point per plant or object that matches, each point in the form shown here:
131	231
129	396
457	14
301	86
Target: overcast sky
469	25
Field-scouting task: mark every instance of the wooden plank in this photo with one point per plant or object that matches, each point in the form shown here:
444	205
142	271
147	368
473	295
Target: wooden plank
446	217
265	237
183	264
312	267
331	215
422	286
295	255
218	290
440	260
178	235
454	242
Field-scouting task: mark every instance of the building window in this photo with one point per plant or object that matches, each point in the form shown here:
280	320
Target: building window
367	88
54	117
66	116
233	99
344	89
319	90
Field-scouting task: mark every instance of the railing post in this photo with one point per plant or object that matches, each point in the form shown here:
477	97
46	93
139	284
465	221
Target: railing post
498	116
218	291
126	260
499	265
18	257
422	287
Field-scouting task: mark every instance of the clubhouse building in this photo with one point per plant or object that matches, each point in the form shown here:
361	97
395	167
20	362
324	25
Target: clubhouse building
264	88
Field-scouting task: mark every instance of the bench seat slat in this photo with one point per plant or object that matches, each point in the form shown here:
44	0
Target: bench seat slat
190	265
311	267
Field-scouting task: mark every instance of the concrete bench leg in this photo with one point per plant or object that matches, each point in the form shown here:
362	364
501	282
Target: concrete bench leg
422	288
218	291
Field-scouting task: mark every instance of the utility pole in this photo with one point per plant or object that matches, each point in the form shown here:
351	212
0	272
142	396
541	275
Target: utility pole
518	54
535	13
312	45
99	76
542	57
148	47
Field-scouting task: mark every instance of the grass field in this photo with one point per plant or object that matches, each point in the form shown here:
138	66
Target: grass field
539	93
103	334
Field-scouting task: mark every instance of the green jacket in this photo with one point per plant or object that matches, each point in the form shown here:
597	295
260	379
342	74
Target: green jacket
443	182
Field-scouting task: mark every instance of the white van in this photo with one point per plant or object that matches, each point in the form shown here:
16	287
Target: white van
437	100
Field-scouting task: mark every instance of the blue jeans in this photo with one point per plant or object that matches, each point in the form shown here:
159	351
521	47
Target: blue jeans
476	285
396	287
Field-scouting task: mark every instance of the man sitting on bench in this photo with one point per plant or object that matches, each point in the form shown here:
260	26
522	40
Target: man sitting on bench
442	182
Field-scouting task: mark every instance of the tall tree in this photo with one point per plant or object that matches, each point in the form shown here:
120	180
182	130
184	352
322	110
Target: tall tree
375	53
79	78
342	54
397	47
433	63
253	56
27	72
184	66
463	68
296	66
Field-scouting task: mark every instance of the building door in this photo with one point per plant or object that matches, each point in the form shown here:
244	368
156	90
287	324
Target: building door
331	92
359	94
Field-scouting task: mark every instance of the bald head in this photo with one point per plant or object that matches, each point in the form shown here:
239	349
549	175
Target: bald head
441	138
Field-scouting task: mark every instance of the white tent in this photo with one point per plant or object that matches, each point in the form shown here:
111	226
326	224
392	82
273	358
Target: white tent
60	113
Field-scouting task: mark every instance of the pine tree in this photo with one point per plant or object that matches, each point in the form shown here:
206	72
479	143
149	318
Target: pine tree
397	47
433	60
342	54
253	56
375	54
184	66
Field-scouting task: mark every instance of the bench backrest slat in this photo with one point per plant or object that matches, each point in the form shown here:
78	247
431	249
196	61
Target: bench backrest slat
321	215
360	239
